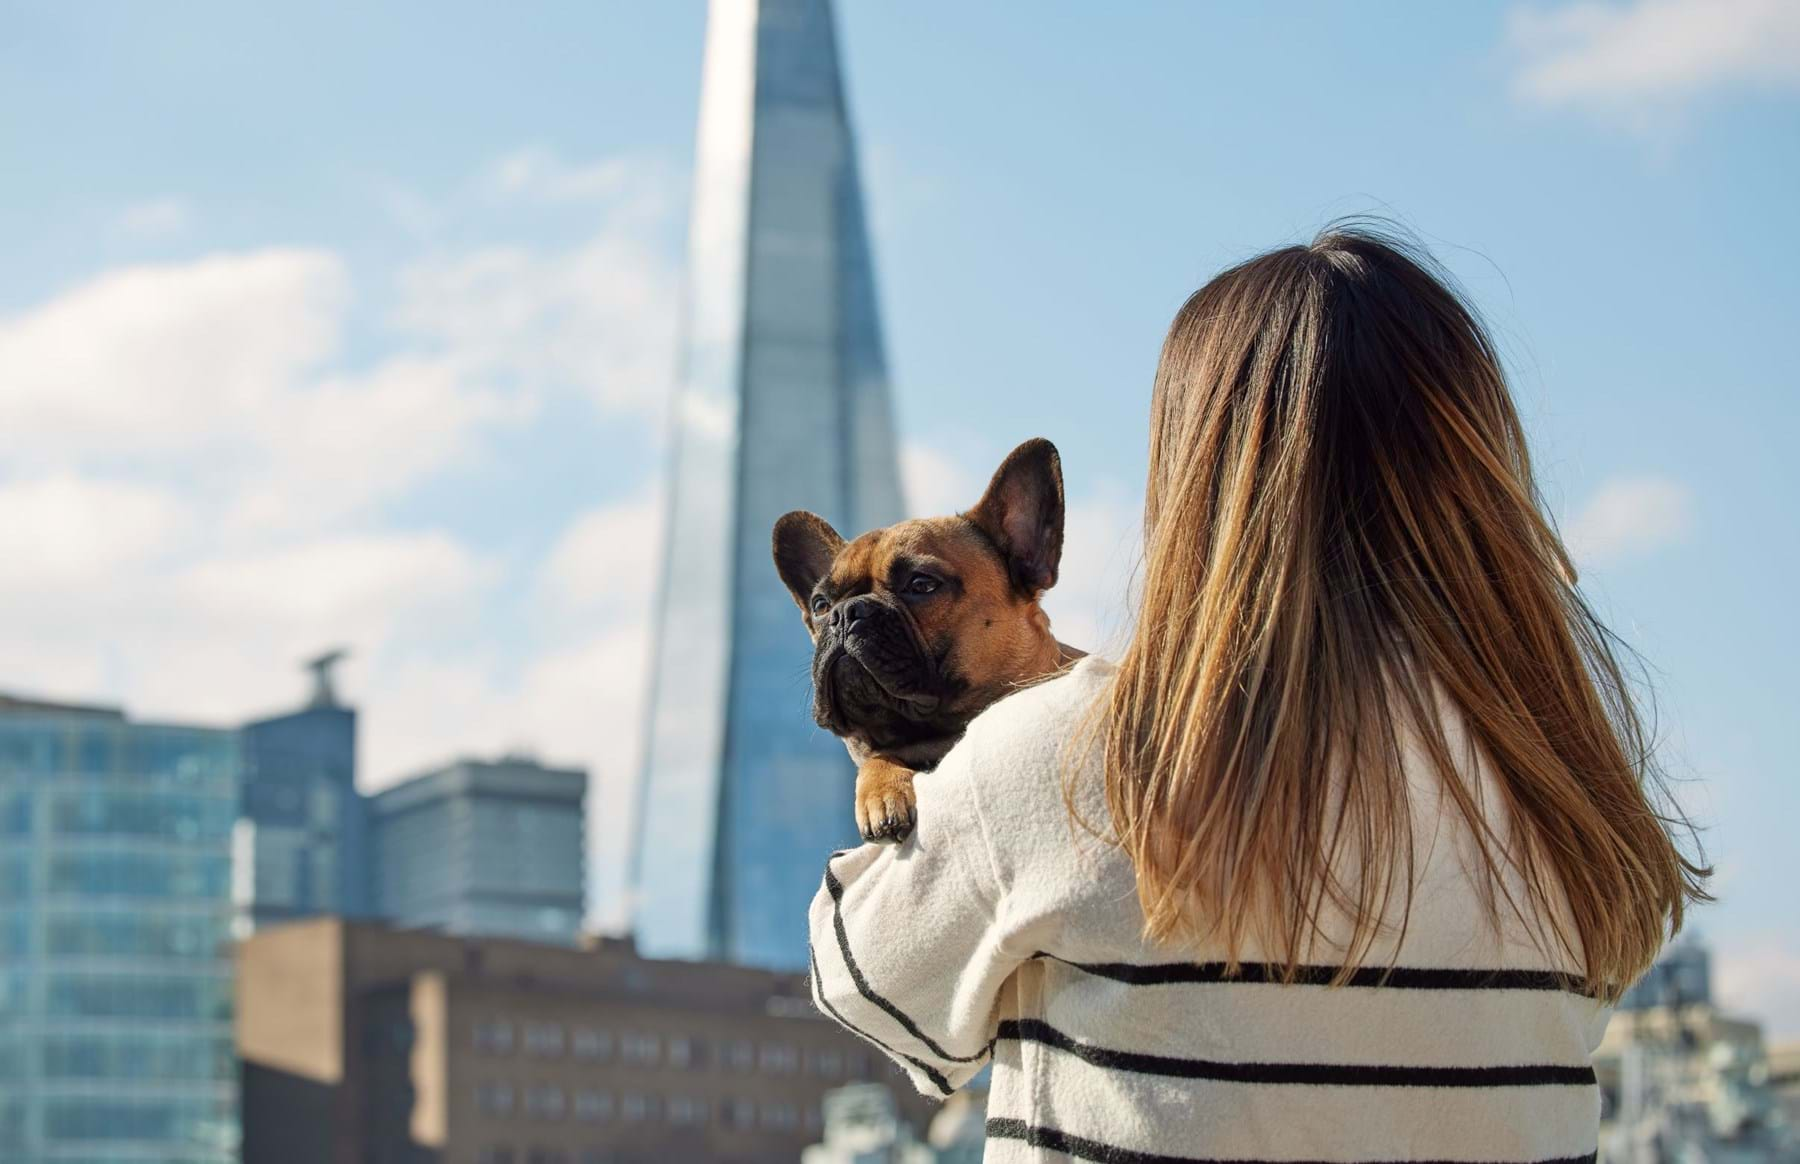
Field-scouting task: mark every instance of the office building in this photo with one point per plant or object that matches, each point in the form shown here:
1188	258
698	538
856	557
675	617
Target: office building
1682	1080
362	1044
301	843
1682	976
484	848
115	990
782	403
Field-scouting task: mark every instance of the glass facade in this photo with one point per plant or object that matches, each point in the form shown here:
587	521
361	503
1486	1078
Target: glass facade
301	843
480	848
115	958
782	404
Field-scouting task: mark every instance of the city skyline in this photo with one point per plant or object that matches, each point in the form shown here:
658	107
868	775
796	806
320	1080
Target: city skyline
384	358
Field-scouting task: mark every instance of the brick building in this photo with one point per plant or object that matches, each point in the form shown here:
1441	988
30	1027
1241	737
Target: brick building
365	1044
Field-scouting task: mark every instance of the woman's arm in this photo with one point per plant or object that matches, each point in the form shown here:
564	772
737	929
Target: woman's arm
909	942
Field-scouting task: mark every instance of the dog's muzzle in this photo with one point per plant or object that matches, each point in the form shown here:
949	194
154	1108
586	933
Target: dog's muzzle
871	671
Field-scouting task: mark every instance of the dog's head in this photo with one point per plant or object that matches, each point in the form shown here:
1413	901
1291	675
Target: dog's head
918	627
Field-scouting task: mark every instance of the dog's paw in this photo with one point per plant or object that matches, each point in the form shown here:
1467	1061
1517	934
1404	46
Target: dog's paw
887	813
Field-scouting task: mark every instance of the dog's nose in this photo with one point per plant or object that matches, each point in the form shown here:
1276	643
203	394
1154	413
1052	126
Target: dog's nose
847	614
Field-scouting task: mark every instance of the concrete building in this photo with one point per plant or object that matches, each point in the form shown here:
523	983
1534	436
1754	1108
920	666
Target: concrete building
115	909
863	1125
782	403
1681	1080
370	1045
301	845
484	848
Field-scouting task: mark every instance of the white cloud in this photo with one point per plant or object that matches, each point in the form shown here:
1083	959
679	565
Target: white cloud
1639	63
607	557
64	530
538	173
1629	517
600	319
351	439
157	218
938	481
1760	977
151	358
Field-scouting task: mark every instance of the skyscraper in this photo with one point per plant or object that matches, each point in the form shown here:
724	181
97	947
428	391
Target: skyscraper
782	403
483	848
115	956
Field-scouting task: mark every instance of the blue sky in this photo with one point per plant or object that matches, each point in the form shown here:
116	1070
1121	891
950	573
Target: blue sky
353	324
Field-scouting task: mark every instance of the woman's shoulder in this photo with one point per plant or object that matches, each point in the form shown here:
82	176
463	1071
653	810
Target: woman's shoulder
1022	754
1020	768
1044	716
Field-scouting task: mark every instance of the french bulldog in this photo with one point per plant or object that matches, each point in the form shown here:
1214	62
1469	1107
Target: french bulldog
919	627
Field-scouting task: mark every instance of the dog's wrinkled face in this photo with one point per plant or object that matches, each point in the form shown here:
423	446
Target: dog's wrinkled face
918	627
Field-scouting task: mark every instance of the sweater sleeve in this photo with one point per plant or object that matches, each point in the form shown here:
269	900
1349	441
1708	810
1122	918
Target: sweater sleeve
909	949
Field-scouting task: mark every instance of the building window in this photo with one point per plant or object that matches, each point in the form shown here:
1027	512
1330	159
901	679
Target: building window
543	1040
637	1108
493	1036
740	1054
544	1100
780	1058
593	1106
686	1111
828	1063
780	1117
681	1052
857	1066
815	1119
545	1156
495	1099
590	1044
493	1155
740	1113
640	1050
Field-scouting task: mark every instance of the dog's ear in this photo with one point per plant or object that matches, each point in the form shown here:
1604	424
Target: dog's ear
1022	511
805	546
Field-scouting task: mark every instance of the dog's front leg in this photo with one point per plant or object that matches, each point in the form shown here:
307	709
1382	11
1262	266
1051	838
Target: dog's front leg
885	809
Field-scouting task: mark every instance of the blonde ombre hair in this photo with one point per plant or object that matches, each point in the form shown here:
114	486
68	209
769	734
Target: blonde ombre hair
1342	536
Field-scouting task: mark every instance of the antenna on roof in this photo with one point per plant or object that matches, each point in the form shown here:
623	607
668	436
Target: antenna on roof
323	694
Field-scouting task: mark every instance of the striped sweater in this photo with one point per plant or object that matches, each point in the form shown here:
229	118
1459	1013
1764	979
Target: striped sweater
999	933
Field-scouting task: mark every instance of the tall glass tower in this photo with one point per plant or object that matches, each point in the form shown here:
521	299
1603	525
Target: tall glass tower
115	956
782	403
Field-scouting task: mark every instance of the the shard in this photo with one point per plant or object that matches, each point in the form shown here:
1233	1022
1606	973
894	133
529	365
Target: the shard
782	403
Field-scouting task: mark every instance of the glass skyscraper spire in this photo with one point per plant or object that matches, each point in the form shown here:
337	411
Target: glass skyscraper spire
782	403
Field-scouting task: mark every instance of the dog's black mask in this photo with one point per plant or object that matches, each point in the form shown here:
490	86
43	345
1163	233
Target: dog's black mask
873	677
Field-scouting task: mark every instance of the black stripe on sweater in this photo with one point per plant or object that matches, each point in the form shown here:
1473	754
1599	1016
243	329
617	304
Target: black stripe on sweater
1394	977
836	889
1053	1140
932	1073
1312	1074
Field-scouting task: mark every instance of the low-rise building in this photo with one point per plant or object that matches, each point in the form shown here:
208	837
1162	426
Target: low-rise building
361	1043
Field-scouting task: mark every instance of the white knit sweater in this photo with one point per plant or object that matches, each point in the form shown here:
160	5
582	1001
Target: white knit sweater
1000	932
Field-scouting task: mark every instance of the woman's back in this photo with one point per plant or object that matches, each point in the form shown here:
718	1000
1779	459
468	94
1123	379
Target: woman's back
1343	857
1456	1040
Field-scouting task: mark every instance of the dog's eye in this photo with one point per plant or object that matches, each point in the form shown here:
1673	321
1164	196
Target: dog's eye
922	584
820	604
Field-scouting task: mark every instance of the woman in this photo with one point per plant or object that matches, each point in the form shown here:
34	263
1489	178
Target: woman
1347	856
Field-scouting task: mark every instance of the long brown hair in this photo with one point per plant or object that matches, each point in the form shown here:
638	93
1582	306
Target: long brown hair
1343	540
